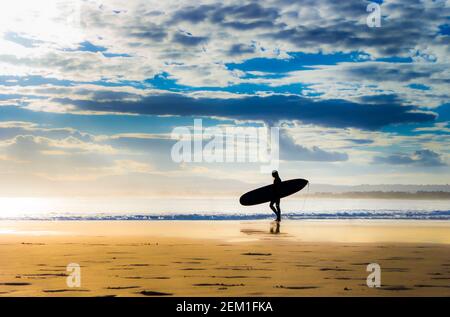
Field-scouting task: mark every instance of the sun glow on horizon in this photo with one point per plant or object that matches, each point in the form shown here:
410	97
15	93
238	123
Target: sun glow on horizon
18	206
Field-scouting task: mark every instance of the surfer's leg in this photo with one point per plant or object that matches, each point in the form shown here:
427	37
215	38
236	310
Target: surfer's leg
273	208
277	203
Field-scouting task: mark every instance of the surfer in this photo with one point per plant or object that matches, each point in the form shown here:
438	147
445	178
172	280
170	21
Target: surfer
273	193
276	195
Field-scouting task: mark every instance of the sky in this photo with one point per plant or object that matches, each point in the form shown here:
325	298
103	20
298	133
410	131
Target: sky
90	92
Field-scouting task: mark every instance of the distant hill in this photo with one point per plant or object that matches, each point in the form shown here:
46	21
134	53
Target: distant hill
438	195
324	188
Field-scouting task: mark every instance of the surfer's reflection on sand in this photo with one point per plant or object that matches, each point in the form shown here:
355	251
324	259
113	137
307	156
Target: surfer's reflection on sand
275	227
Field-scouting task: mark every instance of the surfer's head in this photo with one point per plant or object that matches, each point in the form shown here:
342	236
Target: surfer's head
275	174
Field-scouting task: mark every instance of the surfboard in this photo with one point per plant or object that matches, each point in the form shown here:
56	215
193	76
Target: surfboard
265	194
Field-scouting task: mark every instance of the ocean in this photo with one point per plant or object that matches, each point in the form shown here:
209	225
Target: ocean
217	209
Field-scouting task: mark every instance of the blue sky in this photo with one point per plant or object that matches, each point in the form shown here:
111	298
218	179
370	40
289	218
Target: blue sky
91	90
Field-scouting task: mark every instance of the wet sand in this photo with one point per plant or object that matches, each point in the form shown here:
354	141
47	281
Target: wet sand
225	258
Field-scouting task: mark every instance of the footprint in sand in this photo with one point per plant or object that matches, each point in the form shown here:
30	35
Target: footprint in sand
395	269
438	286
122	287
394	288
336	269
153	293
218	284
147	278
296	287
64	290
256	254
15	284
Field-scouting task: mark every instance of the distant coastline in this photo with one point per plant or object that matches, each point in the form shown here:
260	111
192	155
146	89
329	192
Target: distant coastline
420	195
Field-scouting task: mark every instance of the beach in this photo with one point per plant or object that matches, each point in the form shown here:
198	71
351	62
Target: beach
225	258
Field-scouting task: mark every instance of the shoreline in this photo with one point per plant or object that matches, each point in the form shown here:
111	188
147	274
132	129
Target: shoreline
313	230
207	216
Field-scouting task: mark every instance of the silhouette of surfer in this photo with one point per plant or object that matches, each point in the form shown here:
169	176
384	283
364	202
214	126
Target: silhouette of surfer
275	202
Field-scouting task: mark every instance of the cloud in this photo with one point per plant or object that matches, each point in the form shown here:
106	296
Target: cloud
16	38
188	39
343	26
147	30
370	79
192	14
11	129
240	49
67	159
146	38
425	158
25	147
123	53
270	109
236	16
404	72
291	151
76	66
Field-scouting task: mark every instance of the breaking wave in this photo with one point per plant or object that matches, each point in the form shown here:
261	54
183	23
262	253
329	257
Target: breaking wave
414	215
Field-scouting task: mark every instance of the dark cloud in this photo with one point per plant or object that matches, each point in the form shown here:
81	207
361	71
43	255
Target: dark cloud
382	98
426	158
360	141
251	11
271	109
239	17
188	40
248	25
319	25
239	49
193	14
414	23
107	95
390	72
152	32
